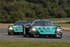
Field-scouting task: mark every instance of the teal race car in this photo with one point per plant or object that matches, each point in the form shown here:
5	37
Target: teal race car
42	28
16	28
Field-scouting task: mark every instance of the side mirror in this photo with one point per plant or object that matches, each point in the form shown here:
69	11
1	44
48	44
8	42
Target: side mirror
57	25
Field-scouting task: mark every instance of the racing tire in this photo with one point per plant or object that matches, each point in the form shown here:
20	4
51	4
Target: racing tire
24	35
58	36
30	35
42	36
9	33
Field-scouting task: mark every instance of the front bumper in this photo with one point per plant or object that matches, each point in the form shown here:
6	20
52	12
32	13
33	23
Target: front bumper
37	33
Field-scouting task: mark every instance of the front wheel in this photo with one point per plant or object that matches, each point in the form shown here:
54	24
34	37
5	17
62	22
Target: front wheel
10	33
59	36
24	35
30	35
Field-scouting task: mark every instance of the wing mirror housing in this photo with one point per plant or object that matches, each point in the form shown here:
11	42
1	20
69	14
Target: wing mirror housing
57	24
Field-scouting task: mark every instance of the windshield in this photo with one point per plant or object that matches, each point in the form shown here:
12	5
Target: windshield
29	21
48	23
20	23
38	23
42	23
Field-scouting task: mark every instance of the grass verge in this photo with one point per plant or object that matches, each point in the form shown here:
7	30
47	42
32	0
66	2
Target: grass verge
65	25
57	19
4	25
34	44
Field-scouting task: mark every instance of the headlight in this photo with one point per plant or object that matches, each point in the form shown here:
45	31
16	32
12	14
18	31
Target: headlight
59	29
33	29
11	28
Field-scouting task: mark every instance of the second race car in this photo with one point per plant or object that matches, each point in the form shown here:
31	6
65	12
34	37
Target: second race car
17	27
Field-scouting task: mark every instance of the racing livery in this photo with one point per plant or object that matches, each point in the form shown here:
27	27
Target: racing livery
17	27
42	28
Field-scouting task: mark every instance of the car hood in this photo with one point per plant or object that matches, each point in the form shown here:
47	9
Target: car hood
17	28
46	29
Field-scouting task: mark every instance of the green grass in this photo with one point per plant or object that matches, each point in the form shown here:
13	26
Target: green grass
65	25
34	44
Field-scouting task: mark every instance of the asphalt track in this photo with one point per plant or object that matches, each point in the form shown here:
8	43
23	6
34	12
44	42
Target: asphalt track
5	37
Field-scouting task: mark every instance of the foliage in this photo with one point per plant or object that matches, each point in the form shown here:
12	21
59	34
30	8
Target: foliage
13	10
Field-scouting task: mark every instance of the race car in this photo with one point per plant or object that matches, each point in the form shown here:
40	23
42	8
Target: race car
42	28
17	27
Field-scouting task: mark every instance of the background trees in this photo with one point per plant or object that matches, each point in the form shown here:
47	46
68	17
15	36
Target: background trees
13	10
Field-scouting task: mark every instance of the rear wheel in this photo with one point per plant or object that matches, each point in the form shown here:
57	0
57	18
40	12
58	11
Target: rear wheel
25	32
24	35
